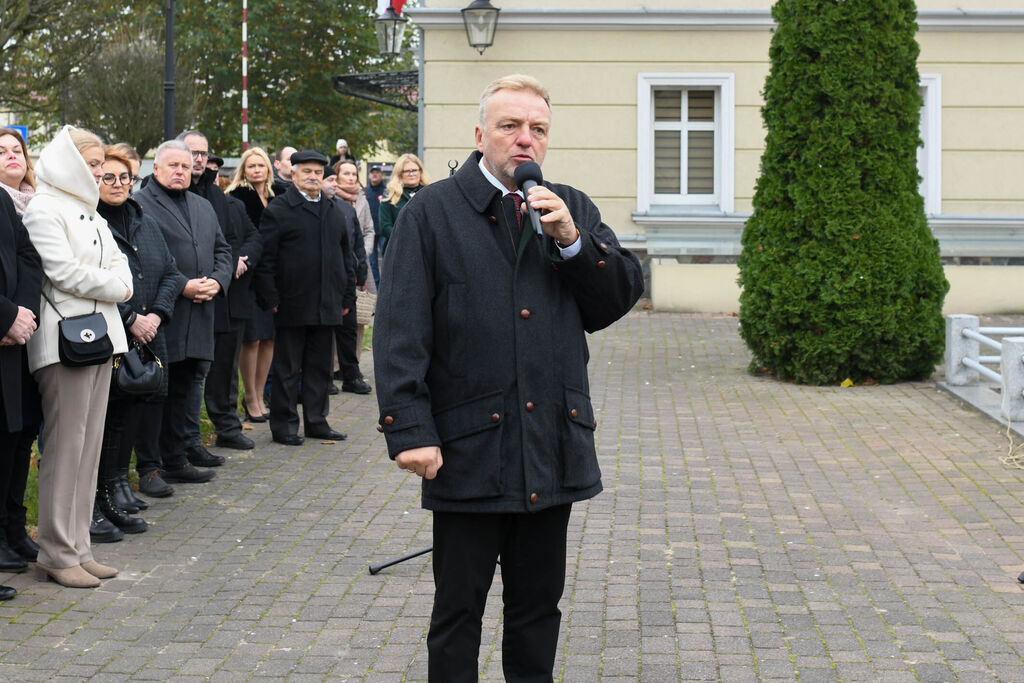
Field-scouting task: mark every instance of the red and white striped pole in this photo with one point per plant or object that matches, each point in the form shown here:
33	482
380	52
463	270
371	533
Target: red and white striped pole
245	76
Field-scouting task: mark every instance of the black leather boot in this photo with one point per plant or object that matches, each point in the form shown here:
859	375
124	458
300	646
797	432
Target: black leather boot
101	529
118	497
124	522
126	488
20	542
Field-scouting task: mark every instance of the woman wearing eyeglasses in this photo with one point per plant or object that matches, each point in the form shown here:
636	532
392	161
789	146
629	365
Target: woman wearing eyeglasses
157	284
406	180
83	273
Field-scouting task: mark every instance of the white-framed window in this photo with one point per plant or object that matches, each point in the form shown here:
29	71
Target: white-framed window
685	142
929	154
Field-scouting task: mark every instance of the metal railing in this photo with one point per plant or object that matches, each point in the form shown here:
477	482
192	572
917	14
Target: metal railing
965	366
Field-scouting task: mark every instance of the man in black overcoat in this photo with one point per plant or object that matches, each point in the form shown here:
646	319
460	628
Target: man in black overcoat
192	232
480	353
307	277
231	311
21	277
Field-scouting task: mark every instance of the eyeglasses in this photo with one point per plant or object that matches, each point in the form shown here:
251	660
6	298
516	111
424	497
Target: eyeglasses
410	171
200	155
111	179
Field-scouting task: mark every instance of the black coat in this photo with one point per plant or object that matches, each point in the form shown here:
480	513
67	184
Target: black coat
485	355
245	240
21	279
157	282
251	201
199	249
308	267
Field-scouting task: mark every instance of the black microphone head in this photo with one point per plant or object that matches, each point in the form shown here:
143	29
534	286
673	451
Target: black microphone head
528	171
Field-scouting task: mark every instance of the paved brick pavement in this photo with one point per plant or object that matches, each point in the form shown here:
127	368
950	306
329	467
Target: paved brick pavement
749	530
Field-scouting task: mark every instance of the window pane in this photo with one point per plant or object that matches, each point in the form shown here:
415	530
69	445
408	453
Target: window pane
701	162
666	162
668	105
701	105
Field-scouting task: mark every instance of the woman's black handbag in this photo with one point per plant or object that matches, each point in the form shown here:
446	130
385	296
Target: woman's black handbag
83	340
138	372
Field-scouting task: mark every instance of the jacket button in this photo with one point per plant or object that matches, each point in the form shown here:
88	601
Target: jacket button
604	246
600	264
379	428
143	307
493	219
82	217
529	406
495	417
140	276
533	497
135	248
524	314
90	217
574	413
389	420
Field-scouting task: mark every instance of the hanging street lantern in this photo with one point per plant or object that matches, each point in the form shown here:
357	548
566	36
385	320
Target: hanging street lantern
480	18
390	30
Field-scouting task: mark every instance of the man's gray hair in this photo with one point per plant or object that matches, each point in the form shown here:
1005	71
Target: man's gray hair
170	144
188	133
518	82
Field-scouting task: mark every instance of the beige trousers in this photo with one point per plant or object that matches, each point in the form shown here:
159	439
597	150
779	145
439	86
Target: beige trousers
74	408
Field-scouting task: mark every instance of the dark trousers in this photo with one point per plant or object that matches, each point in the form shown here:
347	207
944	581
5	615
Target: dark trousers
180	428
150	418
301	352
221	392
345	338
15	454
466	548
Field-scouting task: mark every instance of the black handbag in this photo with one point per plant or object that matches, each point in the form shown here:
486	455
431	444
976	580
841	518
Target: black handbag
138	372
82	339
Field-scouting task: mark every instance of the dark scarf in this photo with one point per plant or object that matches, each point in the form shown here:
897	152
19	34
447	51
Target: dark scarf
117	217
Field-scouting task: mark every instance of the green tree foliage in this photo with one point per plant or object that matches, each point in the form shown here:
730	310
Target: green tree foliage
840	275
293	48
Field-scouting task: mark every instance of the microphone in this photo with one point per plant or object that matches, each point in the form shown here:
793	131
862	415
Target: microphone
526	176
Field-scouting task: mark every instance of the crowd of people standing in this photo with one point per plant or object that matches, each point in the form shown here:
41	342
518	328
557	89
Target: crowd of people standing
258	280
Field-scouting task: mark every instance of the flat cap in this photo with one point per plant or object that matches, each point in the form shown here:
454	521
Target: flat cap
308	156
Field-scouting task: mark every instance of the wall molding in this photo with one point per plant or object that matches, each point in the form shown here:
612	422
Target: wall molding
450	19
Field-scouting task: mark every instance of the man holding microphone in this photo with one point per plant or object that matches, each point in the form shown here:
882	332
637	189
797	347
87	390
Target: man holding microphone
481	364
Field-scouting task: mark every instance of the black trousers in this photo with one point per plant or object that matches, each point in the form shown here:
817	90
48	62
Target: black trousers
150	417
15	454
466	549
301	352
180	428
221	392
345	338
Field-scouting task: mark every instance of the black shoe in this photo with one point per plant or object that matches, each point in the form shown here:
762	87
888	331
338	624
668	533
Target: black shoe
126	491
119	499
187	474
356	386
200	457
289	439
328	434
24	546
249	417
124	522
238	442
333	390
10	560
102	530
6	592
153	485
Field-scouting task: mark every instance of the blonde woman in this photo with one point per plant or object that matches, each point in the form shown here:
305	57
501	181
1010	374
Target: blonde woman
83	271
406	180
251	183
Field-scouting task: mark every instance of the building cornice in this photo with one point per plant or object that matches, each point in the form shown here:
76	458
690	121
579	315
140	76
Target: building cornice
450	19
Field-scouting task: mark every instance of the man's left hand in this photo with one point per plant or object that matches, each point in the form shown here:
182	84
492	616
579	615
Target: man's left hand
554	215
242	266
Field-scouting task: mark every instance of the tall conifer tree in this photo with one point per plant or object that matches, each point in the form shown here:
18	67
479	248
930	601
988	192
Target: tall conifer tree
840	274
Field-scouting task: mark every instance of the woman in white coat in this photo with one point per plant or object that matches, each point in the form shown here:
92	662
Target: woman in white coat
83	270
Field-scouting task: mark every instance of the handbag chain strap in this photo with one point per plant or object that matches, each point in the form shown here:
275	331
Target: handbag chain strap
54	306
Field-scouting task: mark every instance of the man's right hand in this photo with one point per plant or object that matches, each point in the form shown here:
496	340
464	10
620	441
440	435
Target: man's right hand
425	461
23	326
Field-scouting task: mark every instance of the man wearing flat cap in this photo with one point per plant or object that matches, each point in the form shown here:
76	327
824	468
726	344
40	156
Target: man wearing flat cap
307	277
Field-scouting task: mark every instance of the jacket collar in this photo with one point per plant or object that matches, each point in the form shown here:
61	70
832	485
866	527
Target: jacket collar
474	186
